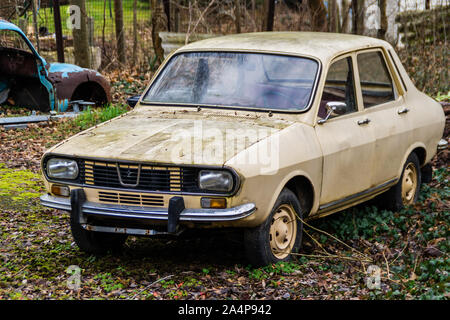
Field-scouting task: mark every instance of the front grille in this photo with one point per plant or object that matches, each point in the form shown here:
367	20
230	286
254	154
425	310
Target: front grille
139	177
131	199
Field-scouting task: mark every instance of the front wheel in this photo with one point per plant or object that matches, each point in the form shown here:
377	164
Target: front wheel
279	236
94	242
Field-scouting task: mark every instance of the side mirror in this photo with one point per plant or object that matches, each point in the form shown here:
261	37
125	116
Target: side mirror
132	101
334	108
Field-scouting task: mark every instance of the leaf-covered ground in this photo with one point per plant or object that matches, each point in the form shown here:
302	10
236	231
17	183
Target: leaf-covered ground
409	247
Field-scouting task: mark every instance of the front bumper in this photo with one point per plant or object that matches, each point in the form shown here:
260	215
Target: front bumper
147	214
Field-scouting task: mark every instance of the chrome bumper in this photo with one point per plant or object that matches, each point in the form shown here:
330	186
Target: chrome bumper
150	213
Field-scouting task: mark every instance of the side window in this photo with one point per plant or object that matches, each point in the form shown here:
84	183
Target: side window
339	86
12	39
376	82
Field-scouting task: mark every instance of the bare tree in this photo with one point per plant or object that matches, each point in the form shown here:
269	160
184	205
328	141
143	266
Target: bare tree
237	13
345	12
318	15
81	38
333	16
381	34
358	16
157	14
269	14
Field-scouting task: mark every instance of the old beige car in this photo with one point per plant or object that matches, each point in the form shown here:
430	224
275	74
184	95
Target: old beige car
252	131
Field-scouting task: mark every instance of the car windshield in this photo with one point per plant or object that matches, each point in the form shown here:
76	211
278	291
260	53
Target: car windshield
247	80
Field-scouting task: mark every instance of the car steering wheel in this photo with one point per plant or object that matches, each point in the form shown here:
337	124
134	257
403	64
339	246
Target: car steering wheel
276	93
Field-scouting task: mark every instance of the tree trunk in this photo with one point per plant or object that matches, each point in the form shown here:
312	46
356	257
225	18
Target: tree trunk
269	14
318	15
120	37
81	37
427	4
237	13
345	15
381	34
166	4
358	16
157	12
333	16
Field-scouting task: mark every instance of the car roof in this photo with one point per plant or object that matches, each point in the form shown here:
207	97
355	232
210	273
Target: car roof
6	25
322	45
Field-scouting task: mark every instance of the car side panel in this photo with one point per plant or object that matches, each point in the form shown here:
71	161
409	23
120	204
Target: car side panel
296	153
348	155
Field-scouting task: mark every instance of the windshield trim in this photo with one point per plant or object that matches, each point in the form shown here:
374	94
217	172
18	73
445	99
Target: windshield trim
231	107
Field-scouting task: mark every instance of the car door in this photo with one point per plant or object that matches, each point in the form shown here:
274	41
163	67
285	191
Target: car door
389	117
347	141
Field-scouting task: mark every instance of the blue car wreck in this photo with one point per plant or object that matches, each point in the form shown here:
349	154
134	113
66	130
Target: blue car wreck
27	80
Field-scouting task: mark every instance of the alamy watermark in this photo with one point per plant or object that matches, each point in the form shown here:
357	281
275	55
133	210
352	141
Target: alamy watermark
74	19
74	280
373	280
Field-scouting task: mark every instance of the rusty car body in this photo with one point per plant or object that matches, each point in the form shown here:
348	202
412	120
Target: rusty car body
27	80
318	122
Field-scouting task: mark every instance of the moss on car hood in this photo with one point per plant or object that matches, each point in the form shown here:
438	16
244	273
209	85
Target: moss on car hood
182	136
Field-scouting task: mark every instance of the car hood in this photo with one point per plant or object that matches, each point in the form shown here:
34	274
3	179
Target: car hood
175	137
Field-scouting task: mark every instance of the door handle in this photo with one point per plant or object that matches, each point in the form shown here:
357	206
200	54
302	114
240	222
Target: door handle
403	110
365	121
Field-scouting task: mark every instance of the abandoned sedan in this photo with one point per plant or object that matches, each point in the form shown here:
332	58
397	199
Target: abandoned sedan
256	132
27	80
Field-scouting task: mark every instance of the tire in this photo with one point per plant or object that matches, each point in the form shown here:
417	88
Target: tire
94	242
279	236
406	191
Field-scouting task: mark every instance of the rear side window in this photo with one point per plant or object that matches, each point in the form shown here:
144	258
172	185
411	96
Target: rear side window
376	82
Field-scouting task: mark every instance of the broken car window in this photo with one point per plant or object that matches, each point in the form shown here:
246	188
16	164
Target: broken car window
246	80
13	40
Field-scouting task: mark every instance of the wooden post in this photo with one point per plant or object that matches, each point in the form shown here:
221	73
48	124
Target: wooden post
120	36
135	37
58	31
35	24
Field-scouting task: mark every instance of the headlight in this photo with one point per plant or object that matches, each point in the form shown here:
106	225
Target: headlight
62	168
215	180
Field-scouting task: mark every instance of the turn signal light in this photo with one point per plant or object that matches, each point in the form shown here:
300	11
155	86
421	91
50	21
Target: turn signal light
214	203
59	190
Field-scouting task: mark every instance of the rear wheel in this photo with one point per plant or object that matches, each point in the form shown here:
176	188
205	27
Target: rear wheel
406	191
279	236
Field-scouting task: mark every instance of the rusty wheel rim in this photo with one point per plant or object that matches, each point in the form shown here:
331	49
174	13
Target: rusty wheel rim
283	231
409	184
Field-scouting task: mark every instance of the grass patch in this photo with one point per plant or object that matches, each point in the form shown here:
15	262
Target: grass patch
19	189
91	117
